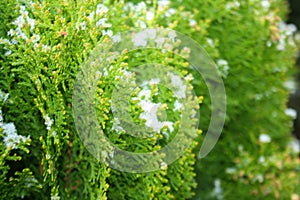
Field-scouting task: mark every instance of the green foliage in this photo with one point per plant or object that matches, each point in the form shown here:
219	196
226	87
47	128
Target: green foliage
260	51
48	42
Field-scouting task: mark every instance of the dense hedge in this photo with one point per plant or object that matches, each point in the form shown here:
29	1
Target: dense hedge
44	43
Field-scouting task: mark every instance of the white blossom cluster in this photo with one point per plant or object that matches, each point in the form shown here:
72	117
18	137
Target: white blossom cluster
264	138
223	67
10	137
48	122
100	16
218	191
150	108
286	35
18	33
232	5
145	102
138	13
291	112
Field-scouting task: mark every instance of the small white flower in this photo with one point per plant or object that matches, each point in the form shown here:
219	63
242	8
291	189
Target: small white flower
35	38
178	84
163	165
233	4
7	53
116	125
223	67
210	42
172	35
108	33
102	23
22	9
144	93
291	112
230	170
48	122
240	148
141	7
20	22
149	15
170	12
222	62
189	77
192	22
105	73
169	125
13	41
163	3
48	156
45	48
53	134
177	105
129	6
295	145
21	34
91	17
265	4
168	46
101	9
141	24
259	178
149	114
55	197
154	81
31	23
83	25
4	41
11	138
264	138
281	46
3	96
9	129
218	191
11	32
262	160
186	50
